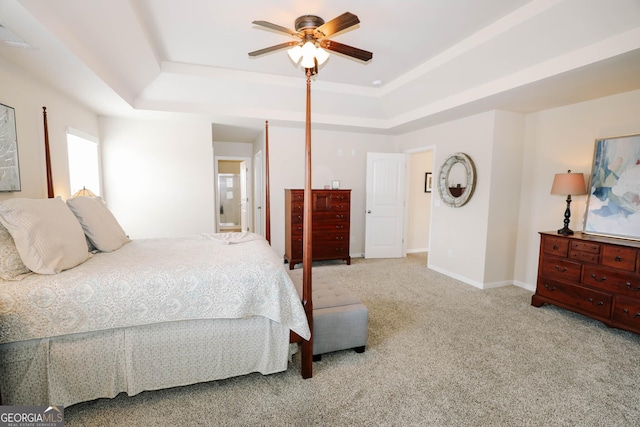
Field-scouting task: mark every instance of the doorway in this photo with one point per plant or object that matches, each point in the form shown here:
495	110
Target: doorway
232	194
420	199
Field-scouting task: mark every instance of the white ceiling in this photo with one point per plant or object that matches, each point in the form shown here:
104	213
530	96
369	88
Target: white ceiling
436	60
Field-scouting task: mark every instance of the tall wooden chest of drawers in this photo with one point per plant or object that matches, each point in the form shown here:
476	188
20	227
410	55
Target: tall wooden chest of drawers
591	275
331	210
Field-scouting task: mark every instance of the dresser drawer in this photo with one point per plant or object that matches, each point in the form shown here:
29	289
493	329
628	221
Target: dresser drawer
557	246
333	217
561	269
330	251
340	206
297	218
622	258
593	248
580	298
584	256
297	208
616	281
627	312
334	238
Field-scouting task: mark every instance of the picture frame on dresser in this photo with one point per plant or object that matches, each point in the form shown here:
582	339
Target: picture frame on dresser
613	203
10	176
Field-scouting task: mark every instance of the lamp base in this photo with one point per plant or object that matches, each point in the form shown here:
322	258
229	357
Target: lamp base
565	231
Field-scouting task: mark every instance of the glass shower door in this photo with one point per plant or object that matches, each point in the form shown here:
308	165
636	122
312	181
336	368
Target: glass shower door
230	200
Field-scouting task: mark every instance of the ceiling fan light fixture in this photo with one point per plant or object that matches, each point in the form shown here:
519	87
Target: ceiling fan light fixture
308	55
321	55
308	61
295	53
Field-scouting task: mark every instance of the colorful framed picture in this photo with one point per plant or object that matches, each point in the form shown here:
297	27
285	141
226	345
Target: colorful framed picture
9	165
613	204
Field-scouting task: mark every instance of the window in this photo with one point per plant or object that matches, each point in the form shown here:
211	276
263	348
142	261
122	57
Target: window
84	161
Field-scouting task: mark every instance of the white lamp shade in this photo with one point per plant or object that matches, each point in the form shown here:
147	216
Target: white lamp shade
308	55
321	55
295	53
566	184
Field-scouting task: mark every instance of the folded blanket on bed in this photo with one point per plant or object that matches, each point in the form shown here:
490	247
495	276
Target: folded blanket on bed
233	237
151	281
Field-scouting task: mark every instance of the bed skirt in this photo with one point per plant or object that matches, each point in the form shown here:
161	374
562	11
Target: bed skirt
75	368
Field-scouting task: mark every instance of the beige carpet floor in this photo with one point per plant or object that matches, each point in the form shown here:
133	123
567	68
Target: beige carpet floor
440	353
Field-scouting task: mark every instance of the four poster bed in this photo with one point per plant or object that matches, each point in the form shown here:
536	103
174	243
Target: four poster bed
136	315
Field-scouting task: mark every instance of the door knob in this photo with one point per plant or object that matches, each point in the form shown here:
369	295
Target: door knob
369	212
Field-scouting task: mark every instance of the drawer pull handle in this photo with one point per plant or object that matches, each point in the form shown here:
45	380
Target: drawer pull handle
625	311
553	288
637	288
557	267
555	247
618	259
599	302
602	279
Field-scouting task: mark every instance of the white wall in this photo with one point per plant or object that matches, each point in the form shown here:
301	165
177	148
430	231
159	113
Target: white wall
158	176
27	96
458	236
556	140
505	182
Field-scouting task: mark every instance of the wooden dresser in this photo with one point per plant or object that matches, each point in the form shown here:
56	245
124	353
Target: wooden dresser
330	233
591	275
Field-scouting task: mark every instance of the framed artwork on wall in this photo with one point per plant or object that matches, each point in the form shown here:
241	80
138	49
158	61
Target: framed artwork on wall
428	182
613	204
9	165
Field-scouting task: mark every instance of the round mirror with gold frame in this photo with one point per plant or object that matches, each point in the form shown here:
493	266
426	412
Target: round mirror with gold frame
457	180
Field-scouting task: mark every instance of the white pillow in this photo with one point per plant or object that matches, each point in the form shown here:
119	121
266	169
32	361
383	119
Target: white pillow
99	224
48	237
11	265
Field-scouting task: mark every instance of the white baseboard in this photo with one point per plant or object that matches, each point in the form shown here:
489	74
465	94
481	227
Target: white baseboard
524	285
479	285
456	276
415	251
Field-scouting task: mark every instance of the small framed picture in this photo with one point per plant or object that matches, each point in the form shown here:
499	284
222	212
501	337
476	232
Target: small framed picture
428	182
335	184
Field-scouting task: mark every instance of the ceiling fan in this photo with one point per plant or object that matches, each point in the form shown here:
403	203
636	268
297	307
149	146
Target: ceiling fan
312	35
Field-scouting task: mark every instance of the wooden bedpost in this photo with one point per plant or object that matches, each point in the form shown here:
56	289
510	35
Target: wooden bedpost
307	346
267	203
47	155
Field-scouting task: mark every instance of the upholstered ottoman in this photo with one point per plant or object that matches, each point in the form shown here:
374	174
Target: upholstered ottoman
340	320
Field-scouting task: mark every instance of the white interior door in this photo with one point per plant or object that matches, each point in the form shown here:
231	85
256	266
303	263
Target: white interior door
258	194
244	223
386	175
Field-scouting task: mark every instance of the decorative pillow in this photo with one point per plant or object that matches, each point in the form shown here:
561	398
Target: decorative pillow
48	237
11	265
99	224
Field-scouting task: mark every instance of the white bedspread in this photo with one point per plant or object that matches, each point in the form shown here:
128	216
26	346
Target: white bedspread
228	275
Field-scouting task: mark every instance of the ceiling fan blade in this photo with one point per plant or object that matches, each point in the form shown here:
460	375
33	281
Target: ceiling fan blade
338	24
273	48
344	49
276	27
